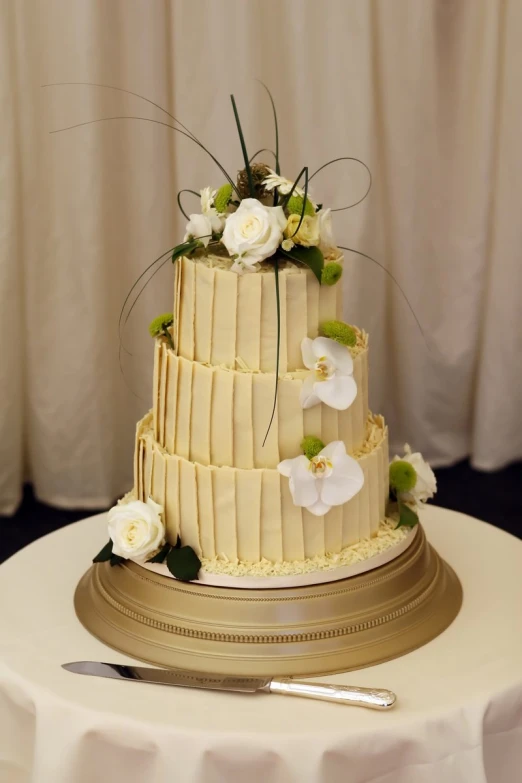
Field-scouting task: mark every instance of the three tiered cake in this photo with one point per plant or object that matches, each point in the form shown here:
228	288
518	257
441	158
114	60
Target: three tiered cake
267	531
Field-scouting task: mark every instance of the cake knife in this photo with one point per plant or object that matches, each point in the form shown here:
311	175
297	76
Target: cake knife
374	698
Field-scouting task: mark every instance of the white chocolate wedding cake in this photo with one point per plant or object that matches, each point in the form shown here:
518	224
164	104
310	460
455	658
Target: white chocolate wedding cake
260	465
242	476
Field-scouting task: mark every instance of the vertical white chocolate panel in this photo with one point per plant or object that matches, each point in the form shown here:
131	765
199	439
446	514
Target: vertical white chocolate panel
201	407
158	477
147	473
290	419
293	538
313	419
187	294
351	521
225	530
156	386
172	517
313	533
221	421
171	402
248	510
206	511
327	303
312	307
364	503
271	521
242	421
184	409
188	506
296	318
268	351
204	304
224	325
333	530
263	390
160	436
248	341
329	424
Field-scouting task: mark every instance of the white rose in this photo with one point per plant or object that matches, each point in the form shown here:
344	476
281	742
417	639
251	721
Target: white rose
199	227
136	529
426	484
326	238
254	231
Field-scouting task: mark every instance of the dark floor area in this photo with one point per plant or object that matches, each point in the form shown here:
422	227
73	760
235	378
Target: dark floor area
495	497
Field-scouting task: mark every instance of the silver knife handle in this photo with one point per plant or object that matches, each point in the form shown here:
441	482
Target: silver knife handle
374	698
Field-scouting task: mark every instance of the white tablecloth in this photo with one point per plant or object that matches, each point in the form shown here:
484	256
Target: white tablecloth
459	717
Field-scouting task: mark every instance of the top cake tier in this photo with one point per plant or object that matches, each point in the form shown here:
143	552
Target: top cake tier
230	320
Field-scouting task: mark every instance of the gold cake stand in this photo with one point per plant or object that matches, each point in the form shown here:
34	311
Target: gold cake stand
343	625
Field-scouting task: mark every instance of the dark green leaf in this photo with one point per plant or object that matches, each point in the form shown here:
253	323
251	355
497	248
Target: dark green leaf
407	517
117	560
177	545
104	554
243	148
161	555
185	248
183	563
311	256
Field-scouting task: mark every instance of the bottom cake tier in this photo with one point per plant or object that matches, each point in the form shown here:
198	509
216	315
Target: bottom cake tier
347	624
235	515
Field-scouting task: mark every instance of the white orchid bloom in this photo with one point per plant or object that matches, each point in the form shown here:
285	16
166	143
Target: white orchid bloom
329	479
331	374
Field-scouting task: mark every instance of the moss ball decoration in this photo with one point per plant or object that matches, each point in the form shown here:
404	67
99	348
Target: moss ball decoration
311	446
331	273
403	476
295	206
340	332
160	324
222	197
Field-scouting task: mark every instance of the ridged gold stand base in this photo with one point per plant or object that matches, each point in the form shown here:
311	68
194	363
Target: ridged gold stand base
339	626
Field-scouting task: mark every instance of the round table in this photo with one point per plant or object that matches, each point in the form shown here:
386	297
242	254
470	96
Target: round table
458	718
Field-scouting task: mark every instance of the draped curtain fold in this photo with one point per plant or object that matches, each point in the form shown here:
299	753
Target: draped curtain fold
426	93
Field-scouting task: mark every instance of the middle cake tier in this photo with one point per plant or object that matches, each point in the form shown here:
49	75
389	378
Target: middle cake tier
219	416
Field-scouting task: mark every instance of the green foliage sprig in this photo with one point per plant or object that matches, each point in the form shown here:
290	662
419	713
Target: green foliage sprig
331	273
182	561
311	446
159	326
340	332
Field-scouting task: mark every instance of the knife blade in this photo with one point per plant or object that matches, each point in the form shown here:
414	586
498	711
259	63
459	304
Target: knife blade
373	698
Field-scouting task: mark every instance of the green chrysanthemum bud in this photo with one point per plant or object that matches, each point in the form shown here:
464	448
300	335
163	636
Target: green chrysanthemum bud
160	324
295	206
331	273
340	332
403	476
311	446
222	197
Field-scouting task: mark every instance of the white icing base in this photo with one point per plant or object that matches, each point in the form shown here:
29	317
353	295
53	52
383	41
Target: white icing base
318	570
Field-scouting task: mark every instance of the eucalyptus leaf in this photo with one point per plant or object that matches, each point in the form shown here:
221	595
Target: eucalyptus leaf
407	517
105	554
310	256
183	563
160	556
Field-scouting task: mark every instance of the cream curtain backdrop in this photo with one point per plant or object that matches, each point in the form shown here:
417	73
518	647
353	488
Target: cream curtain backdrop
426	92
